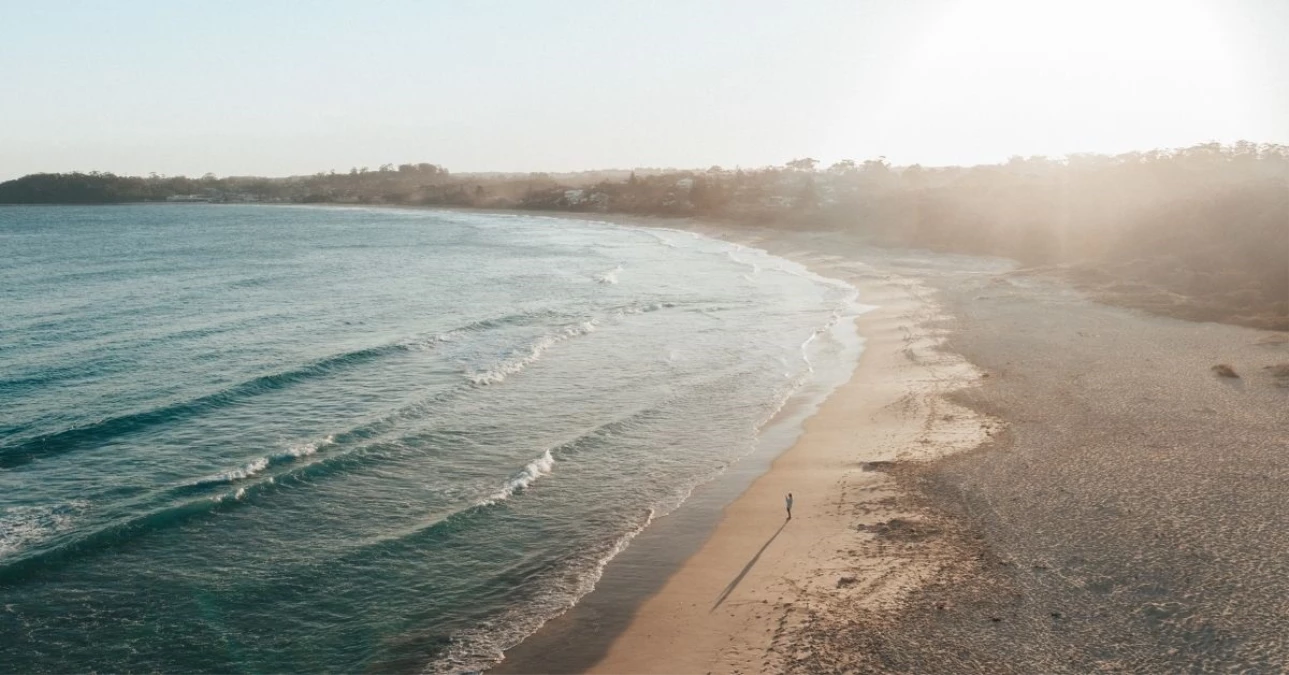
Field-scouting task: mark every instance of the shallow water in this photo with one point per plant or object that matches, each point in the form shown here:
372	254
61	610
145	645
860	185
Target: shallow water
294	439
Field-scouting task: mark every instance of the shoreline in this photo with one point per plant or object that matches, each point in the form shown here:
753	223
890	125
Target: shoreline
736	600
1129	516
766	582
874	539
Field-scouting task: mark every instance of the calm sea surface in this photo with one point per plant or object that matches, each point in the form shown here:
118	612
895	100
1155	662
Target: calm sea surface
292	439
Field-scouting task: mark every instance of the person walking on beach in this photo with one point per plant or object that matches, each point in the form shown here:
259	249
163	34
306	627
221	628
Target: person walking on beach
788	501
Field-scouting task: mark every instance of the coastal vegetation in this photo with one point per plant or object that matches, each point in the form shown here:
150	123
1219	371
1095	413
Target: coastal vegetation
1200	232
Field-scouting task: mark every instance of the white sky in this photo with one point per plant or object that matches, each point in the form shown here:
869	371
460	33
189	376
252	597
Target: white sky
278	88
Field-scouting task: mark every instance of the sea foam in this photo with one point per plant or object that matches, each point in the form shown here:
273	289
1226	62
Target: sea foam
542	466
526	357
259	464
233	475
298	450
610	277
23	526
479	648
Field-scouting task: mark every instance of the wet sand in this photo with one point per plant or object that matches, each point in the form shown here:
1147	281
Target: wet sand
737	604
1123	510
743	589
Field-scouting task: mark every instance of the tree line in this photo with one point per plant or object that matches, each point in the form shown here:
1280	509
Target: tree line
1200	232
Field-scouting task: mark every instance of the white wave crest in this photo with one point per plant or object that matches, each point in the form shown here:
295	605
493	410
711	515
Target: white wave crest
478	649
610	277
305	449
252	467
259	464
848	307
756	269
498	373
23	526
542	466
241	473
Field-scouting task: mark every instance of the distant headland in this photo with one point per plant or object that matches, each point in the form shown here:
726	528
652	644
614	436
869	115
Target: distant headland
1198	232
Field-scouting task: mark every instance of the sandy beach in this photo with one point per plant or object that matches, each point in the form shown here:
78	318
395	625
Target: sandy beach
1132	516
1015	479
742	601
737	605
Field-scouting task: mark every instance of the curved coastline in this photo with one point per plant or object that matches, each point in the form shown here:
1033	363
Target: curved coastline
245	465
1127	515
718	584
661	545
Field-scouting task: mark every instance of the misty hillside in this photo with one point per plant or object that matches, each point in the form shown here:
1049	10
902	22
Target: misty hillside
1199	232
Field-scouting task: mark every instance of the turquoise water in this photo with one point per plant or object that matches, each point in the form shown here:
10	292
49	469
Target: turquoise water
293	439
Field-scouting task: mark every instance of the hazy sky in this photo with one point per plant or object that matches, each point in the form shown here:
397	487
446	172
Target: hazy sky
277	88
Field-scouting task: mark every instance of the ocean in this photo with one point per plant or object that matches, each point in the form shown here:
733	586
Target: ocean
253	438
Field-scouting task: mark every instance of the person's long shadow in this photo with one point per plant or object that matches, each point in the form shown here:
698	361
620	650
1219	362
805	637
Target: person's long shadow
734	584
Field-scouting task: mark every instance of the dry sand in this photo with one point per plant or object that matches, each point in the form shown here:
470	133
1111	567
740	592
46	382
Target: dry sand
736	604
742	601
1135	515
739	603
1132	516
1124	510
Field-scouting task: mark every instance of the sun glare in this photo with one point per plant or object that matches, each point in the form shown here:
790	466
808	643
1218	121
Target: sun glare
1052	78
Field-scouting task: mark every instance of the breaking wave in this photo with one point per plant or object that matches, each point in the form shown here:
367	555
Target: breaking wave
610	277
24	526
430	480
476	649
526	357
305	449
542	466
94	434
258	465
250	469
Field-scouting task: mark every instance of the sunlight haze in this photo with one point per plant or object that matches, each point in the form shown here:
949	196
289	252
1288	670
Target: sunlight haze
590	336
293	88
